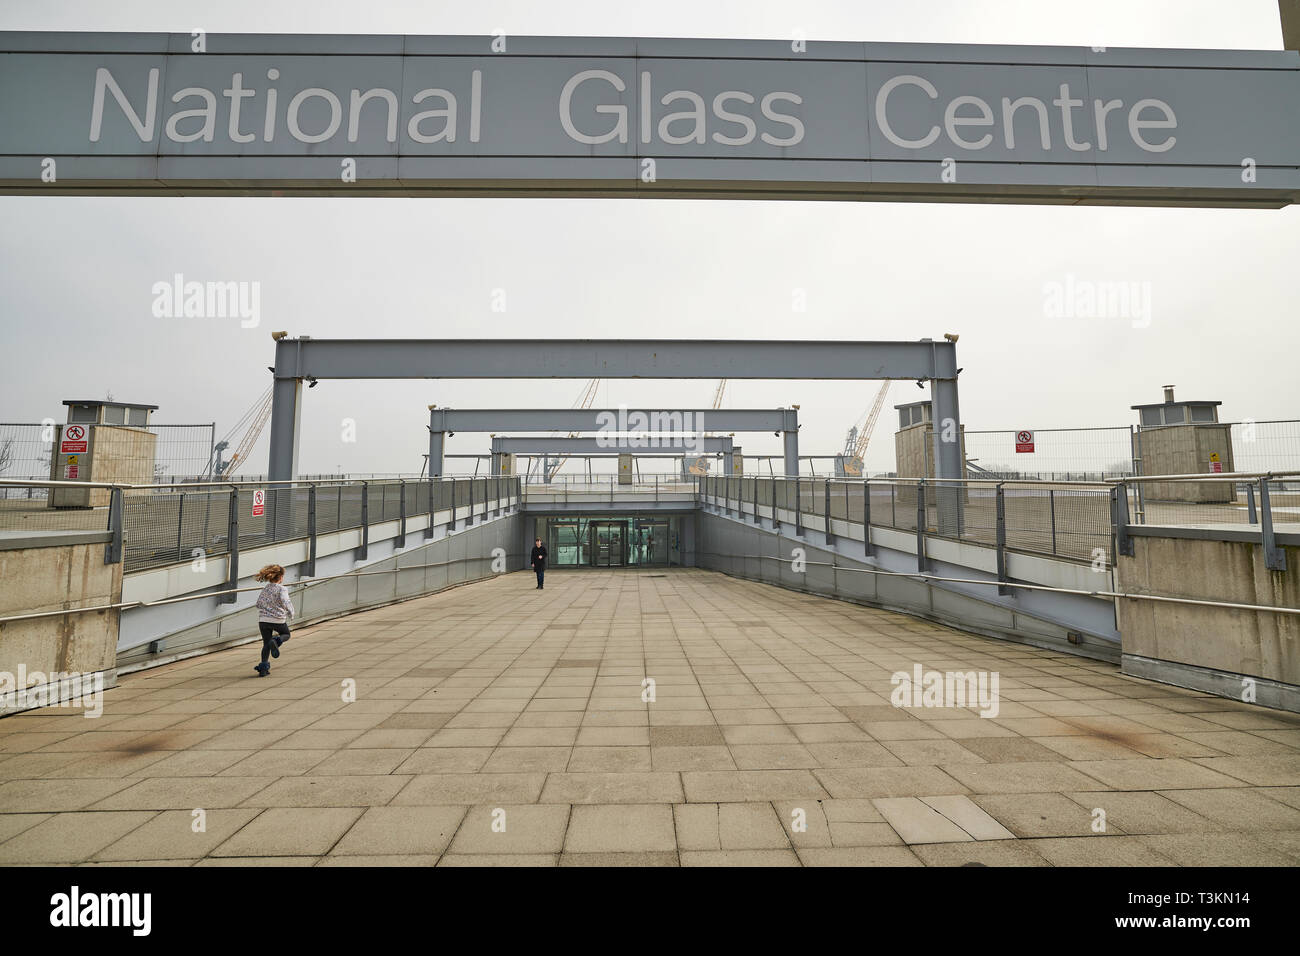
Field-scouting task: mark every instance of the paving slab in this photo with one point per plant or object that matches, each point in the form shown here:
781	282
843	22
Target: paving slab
771	741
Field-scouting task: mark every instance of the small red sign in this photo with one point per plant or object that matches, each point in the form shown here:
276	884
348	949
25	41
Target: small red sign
71	471
1024	442
259	503
1216	467
72	447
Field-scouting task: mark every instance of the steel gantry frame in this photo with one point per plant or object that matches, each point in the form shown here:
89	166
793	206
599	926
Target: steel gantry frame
303	359
448	421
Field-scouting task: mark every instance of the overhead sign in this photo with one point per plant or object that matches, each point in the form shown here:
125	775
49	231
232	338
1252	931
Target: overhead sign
110	113
259	503
1024	442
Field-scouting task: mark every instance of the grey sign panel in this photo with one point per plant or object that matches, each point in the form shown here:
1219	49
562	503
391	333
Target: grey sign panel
620	117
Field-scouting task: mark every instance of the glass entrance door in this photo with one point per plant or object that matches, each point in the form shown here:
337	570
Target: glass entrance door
607	542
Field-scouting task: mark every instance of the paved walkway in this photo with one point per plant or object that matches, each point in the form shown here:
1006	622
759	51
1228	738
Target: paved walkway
496	724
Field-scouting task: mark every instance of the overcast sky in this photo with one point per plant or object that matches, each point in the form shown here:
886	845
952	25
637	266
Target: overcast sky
76	273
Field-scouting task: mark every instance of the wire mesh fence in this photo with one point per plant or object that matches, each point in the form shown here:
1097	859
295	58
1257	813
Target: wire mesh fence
161	453
1054	454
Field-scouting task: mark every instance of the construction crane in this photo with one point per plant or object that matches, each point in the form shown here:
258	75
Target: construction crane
248	428
855	443
700	465
585	400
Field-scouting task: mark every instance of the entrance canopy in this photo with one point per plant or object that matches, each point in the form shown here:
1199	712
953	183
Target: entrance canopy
234	114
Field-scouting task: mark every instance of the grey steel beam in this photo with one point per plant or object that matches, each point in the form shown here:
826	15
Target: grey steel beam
600	419
540	445
613	358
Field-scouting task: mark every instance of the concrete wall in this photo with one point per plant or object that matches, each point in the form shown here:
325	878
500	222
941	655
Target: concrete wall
117	455
1206	647
912	455
1186	450
49	572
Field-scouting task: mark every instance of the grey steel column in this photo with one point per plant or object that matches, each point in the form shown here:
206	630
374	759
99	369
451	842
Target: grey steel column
286	417
947	455
790	442
436	442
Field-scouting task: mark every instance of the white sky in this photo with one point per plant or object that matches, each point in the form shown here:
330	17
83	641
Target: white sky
76	273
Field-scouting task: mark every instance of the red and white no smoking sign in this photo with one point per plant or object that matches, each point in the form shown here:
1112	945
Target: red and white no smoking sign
1024	441
259	503
74	440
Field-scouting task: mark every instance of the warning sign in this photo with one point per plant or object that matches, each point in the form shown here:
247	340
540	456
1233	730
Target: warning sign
259	503
74	439
1024	442
73	460
71	471
1216	466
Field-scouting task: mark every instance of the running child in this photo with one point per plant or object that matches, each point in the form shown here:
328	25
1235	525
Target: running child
273	612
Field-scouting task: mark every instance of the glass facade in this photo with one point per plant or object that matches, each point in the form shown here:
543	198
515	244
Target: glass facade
612	541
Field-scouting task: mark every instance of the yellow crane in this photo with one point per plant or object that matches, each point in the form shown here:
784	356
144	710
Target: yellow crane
855	443
250	425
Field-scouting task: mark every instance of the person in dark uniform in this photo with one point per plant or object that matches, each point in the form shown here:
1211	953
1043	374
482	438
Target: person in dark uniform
539	561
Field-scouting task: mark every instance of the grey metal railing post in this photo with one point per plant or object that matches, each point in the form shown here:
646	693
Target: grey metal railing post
1051	502
866	516
232	549
1120	521
1251	516
363	552
113	550
180	524
920	525
1001	538
310	570
826	507
1274	557
798	509
451	523
433	504
401	513
893	506
757	519
469	518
